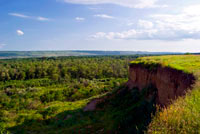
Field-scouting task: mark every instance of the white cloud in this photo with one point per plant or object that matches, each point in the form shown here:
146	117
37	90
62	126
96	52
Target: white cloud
125	3
42	19
192	10
104	16
79	19
130	24
98	35
187	21
95	8
2	45
19	15
130	34
20	32
39	18
145	24
182	26
149	4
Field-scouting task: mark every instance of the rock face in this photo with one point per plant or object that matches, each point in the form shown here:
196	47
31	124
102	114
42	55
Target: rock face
170	83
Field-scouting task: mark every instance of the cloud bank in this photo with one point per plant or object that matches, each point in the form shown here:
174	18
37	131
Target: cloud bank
125	3
184	25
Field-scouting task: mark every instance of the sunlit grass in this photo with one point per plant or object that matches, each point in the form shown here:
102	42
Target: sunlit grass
187	63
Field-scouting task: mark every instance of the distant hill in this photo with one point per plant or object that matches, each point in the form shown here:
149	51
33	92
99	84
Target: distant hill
26	54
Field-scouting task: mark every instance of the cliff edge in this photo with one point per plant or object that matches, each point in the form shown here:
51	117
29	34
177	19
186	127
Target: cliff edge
169	83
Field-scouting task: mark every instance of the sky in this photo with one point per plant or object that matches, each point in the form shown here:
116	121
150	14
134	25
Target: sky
124	25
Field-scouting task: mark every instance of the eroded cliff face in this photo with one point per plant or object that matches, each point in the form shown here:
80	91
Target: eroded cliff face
170	83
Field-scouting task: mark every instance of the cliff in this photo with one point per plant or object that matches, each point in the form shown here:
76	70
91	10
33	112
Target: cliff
155	80
169	83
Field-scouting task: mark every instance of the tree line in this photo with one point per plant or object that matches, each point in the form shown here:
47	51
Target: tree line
65	68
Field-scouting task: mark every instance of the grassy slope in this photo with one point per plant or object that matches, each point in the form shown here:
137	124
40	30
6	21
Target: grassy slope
183	115
126	112
28	113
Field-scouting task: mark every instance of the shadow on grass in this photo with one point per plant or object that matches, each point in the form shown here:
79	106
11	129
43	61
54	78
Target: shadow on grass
123	112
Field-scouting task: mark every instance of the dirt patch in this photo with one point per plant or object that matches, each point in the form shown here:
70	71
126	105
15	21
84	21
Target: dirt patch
91	106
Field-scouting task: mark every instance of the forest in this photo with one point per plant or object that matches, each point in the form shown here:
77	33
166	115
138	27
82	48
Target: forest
37	89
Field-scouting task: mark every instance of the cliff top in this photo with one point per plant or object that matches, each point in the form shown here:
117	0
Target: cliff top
186	63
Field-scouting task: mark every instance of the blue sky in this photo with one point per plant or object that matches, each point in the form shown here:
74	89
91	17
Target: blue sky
134	25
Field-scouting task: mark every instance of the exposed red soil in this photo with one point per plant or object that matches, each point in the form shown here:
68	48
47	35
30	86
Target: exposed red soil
170	83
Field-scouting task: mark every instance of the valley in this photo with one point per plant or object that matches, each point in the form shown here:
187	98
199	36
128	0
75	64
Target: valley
109	94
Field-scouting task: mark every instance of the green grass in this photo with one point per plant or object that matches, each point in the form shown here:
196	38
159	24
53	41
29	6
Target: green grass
124	112
186	63
183	115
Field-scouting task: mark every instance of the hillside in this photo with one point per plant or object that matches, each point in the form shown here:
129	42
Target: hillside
182	116
29	54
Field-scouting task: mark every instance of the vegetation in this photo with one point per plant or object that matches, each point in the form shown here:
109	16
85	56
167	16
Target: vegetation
48	95
42	94
184	113
124	112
